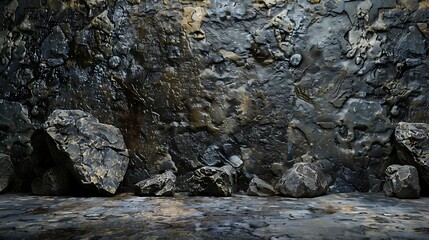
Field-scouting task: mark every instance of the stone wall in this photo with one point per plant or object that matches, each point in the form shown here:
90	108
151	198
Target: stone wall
198	83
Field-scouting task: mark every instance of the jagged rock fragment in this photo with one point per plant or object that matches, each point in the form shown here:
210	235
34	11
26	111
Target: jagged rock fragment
94	153
402	182
210	181
304	180
157	185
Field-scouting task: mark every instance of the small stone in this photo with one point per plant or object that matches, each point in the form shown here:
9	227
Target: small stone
94	153
235	161
114	61
402	182
6	171
394	111
210	181
158	185
258	187
295	60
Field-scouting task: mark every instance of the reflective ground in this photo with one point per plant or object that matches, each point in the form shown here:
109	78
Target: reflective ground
339	216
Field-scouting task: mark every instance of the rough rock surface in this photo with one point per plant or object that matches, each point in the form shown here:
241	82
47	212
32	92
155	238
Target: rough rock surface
258	187
15	136
267	81
157	185
55	181
402	182
94	153
412	141
210	181
6	171
304	180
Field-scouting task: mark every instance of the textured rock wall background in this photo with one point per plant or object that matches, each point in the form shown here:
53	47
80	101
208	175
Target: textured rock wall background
259	85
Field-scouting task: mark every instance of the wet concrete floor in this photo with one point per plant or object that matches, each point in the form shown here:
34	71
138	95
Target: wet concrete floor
334	216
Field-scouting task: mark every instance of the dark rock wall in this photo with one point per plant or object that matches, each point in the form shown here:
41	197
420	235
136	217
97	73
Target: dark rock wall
274	82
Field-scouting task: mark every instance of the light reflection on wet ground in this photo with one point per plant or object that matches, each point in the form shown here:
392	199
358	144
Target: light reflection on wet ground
339	216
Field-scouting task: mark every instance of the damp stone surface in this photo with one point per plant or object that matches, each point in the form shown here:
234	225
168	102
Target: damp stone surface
334	216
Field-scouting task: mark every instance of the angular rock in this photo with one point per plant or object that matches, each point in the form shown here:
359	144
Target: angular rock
210	181
6	171
53	182
304	180
258	187
94	153
412	144
402	182
235	161
212	156
157	185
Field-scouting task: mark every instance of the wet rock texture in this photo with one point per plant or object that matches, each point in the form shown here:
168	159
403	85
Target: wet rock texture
345	216
94	153
157	185
402	182
259	85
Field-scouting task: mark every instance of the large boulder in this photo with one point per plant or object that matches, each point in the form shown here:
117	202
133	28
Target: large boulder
55	181
6	171
412	144
94	153
304	180
258	187
210	181
158	185
402	182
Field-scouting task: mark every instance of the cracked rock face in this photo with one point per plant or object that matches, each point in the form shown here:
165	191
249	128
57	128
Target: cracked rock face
402	182
304	180
412	140
157	185
93	152
259	85
210	181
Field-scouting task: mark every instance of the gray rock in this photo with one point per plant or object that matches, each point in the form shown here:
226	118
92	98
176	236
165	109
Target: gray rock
55	48
210	181
212	156
6	171
158	185
55	181
94	153
235	161
412	144
304	180
258	187
402	182
295	60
